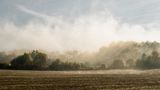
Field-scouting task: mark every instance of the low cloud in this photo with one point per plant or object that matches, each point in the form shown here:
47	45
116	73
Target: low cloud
87	32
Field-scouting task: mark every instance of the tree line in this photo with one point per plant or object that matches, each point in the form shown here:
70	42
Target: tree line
39	61
151	61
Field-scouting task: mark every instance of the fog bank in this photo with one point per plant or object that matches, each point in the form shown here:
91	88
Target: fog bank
86	32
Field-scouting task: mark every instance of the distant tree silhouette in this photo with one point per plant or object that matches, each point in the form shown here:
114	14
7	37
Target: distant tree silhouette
4	66
58	65
34	60
22	62
40	60
117	64
149	62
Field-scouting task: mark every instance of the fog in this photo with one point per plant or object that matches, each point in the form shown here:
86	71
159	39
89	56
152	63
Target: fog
87	32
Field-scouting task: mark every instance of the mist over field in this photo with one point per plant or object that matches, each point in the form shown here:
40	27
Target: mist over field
99	34
79	45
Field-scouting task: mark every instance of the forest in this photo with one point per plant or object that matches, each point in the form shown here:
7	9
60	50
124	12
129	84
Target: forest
120	55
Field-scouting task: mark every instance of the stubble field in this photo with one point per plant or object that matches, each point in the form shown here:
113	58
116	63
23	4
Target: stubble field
79	80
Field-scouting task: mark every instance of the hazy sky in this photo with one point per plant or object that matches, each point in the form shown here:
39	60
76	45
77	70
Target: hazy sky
76	24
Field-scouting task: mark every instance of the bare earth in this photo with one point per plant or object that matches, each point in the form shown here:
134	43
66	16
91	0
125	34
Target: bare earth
80	80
